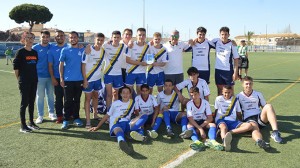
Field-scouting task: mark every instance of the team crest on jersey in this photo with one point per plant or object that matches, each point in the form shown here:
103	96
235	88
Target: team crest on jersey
79	53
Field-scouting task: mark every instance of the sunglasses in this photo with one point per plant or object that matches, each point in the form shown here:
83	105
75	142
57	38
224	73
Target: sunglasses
175	36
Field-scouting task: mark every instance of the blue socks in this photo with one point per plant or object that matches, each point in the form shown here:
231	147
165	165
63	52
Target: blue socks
212	133
184	122
158	121
194	136
120	136
167	119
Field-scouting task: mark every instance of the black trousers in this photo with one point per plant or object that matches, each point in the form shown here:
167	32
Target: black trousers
28	93
59	99
72	91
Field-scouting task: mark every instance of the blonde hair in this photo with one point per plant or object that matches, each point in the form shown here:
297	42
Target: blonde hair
157	34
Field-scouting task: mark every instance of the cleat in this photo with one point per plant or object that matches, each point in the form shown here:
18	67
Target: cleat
276	136
186	134
170	133
77	122
137	136
52	117
65	125
125	148
197	146
227	141
33	126
59	120
39	120
153	134
25	129
262	144
213	144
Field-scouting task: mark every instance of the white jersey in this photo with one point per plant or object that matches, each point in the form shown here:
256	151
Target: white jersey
225	54
201	84
160	55
145	106
120	111
175	64
124	64
227	109
93	64
114	59
198	113
200	55
137	53
250	105
171	101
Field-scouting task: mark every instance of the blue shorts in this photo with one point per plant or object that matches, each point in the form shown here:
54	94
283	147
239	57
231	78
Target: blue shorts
124	125
173	116
156	79
115	80
139	79
223	77
93	86
229	124
205	75
256	119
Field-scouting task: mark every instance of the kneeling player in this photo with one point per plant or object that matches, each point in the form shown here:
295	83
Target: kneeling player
227	111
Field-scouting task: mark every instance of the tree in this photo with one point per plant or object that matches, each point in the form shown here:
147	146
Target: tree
33	14
249	35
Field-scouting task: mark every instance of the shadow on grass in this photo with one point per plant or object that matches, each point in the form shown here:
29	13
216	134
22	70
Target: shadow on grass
274	80
289	125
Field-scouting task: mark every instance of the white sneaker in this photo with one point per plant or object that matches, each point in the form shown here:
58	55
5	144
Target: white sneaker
52	117
39	120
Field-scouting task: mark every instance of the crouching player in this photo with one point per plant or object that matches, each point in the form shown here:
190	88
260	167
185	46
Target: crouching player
200	118
227	112
169	111
145	104
258	113
119	121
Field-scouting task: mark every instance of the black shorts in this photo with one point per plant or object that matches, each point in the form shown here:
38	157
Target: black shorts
243	62
256	119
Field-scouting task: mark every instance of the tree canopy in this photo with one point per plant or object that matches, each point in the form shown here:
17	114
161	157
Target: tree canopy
30	13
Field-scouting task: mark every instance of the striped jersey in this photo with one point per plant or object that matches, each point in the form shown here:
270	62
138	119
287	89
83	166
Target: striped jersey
227	109
137	53
145	106
171	101
160	55
114	59
93	64
198	112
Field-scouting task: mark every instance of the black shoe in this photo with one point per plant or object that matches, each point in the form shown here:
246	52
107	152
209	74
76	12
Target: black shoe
125	148
262	144
25	129
170	133
33	126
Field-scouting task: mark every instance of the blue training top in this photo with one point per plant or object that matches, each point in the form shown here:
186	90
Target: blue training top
42	64
53	57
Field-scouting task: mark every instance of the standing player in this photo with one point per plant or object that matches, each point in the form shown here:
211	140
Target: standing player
91	70
44	79
8	53
200	54
136	67
113	63
156	75
126	39
226	66
119	121
228	112
200	118
169	102
243	61
53	66
174	68
258	113
71	79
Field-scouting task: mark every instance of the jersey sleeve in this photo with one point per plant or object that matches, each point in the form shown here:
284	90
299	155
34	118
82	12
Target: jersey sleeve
189	110
261	99
84	58
158	99
136	103
182	84
205	88
17	61
216	103
235	52
207	108
111	109
154	101
127	52
165	57
186	46
238	106
62	55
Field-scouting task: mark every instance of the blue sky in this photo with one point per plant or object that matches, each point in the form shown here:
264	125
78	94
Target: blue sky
167	15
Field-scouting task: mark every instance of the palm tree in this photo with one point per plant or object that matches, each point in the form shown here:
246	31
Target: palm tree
248	36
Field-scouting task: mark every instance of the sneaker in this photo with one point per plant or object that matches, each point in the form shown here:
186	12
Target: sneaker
213	144
78	122
125	148
33	126
65	125
262	144
186	134
153	134
276	136
52	117
227	141
59	120
170	133
39	120
137	136
25	129
197	146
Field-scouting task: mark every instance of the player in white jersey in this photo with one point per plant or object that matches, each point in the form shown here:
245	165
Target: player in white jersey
200	54
169	102
136	67
257	112
146	104
193	80
156	75
228	116
126	39
227	58
200	118
174	68
91	70
119	121
114	60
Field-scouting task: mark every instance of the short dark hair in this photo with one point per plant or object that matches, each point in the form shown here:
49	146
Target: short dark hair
224	29
59	31
74	32
116	32
201	29
192	70
227	87
248	78
124	87
145	86
45	32
100	35
141	29
169	80
194	89
127	29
